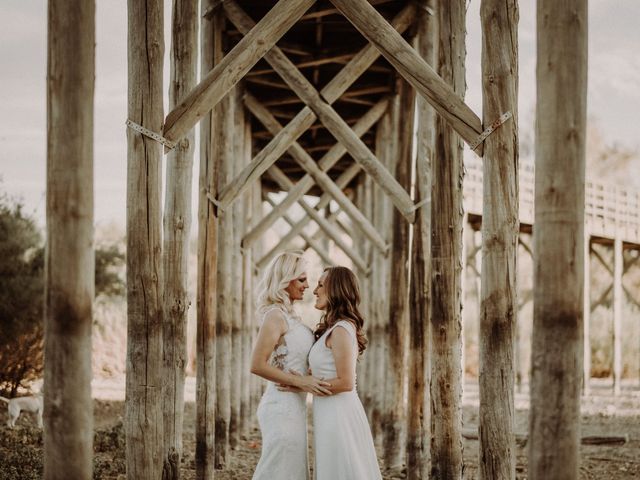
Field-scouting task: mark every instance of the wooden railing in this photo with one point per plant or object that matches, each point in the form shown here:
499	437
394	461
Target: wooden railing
611	211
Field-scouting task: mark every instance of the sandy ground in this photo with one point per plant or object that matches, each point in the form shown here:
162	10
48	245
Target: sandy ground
602	414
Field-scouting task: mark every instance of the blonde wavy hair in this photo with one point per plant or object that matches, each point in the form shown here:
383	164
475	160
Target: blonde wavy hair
284	268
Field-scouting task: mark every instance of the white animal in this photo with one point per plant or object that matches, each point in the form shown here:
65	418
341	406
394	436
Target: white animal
16	405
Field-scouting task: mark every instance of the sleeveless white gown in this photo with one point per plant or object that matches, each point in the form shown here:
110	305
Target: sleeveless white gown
283	415
343	443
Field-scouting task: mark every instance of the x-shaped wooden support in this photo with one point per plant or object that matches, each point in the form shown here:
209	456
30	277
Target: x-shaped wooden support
321	178
328	116
306	182
313	214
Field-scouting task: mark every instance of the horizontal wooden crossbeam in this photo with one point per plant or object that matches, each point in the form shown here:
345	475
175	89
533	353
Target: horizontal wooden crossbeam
226	74
413	68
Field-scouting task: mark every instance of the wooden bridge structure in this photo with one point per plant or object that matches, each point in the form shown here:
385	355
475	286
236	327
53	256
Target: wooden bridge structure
321	98
612	218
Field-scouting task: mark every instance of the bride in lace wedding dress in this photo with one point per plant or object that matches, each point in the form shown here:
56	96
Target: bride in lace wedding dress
280	356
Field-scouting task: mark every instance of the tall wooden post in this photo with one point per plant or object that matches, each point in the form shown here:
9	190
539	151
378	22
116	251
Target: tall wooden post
394	420
419	398
223	145
238	210
500	226
586	366
207	273
177	227
559	225
446	251
618	297
143	407
69	271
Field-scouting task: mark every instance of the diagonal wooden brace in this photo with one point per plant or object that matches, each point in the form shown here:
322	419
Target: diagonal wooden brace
328	116
321	178
224	76
413	68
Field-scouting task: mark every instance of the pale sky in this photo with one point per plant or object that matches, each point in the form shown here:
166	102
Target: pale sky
613	96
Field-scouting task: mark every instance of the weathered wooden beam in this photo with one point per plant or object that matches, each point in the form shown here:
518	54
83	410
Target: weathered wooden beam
69	255
446	250
617	313
305	118
321	178
328	116
207	280
177	225
413	68
316	62
521	438
325	163
312	242
556	360
586	322
334	11
217	83
143	409
500	228
286	184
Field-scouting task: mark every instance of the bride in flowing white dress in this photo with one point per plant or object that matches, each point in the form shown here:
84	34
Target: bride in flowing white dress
280	356
343	443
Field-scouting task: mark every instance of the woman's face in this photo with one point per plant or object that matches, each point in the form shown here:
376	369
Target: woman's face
321	293
296	287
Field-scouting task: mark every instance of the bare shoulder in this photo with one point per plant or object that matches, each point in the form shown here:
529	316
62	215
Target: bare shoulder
274	320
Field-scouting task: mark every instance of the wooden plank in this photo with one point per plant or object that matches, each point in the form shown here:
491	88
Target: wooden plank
177	225
207	258
328	116
558	304
69	255
412	67
306	182
286	184
321	178
521	438
500	228
446	250
221	79
143	408
618	297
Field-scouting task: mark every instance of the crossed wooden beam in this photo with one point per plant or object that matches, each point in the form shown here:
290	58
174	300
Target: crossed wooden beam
259	42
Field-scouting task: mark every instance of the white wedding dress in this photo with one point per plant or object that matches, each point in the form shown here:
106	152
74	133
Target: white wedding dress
283	415
343	443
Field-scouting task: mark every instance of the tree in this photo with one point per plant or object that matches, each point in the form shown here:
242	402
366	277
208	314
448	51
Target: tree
22	293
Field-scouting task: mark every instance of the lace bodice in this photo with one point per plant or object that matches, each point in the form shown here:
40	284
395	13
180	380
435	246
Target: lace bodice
292	352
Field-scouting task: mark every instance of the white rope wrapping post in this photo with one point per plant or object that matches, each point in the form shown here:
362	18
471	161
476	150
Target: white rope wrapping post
148	133
490	129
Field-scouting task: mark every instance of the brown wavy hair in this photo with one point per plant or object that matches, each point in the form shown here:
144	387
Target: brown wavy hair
343	298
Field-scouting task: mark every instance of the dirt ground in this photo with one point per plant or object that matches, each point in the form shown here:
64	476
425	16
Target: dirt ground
602	414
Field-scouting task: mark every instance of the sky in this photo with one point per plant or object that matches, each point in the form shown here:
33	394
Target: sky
613	92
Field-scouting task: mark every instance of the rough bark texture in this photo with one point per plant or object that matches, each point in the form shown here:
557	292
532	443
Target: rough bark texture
69	272
559	225
143	407
500	226
394	420
207	276
419	398
177	226
446	250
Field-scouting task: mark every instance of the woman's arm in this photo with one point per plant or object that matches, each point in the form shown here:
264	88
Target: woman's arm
273	327
341	344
